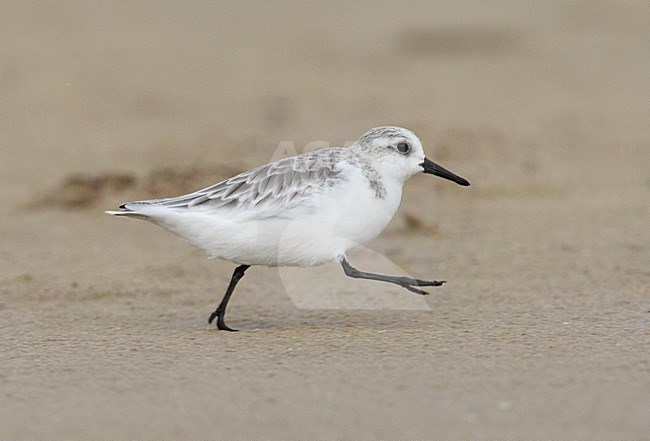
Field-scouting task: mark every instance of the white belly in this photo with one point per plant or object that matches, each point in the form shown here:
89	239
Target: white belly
347	221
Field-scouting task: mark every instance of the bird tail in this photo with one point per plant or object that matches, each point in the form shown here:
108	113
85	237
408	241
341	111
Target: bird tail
127	210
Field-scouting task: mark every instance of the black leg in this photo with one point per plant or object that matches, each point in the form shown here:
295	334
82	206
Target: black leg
404	282
220	312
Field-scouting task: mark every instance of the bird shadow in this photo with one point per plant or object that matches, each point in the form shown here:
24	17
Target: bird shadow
334	319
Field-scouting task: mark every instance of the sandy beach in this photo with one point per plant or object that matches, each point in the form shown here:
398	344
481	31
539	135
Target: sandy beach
542	331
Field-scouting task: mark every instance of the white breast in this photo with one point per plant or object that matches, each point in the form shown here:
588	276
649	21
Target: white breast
345	218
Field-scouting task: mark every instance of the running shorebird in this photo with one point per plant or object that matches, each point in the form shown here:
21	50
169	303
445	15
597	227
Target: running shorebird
304	210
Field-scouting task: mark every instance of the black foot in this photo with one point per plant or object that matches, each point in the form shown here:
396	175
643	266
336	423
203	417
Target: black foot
410	283
221	324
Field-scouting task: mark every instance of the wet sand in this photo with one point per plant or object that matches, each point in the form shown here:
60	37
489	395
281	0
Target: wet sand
542	330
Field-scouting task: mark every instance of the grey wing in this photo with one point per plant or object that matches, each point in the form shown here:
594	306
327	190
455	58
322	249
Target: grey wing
277	186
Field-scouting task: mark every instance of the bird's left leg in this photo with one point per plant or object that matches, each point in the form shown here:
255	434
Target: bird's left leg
404	282
220	312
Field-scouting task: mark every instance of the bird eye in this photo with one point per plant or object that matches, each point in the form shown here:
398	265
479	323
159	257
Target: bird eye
403	147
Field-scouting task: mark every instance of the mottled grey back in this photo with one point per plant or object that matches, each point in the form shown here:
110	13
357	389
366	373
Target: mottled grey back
281	184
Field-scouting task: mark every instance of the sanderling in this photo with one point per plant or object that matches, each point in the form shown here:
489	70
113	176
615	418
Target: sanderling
305	210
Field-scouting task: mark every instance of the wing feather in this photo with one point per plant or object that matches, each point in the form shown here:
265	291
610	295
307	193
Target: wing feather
270	188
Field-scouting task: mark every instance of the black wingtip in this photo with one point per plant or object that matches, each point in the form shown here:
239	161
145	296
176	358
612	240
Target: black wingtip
123	206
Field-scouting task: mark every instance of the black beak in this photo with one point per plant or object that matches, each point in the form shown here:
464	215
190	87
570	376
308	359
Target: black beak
434	169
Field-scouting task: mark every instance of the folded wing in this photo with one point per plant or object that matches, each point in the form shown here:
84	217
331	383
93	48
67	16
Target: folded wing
266	190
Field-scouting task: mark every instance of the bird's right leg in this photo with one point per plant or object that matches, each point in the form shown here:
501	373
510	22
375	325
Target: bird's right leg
220	312
404	282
